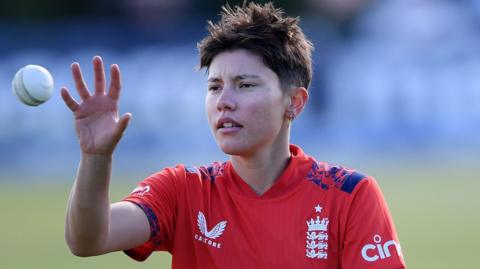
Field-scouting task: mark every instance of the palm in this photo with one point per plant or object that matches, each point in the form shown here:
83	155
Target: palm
95	122
96	118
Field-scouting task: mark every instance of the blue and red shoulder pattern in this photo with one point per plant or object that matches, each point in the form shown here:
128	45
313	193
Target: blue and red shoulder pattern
210	172
327	176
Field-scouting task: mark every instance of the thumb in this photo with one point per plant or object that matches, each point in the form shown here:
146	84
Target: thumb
123	123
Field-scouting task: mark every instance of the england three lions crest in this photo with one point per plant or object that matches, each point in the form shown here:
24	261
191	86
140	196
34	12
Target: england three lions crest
317	236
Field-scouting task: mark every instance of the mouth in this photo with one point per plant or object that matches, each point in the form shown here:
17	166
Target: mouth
227	123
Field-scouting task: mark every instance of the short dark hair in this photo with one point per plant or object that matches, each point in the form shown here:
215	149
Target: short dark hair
265	31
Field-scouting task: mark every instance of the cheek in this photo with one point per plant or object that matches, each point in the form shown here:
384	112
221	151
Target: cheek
210	107
268	115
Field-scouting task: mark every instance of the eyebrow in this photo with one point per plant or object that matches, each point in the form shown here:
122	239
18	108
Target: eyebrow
239	77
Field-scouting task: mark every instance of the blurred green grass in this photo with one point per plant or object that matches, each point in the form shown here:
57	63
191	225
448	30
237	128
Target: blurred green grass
32	230
437	214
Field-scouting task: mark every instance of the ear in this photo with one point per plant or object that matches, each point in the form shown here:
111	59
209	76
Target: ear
298	98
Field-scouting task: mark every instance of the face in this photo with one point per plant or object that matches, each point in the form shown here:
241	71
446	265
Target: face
245	104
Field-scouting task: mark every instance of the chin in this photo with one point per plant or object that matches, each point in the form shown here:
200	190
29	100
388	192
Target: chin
234	149
231	150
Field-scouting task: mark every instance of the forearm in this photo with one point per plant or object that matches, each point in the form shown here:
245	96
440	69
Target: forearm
88	210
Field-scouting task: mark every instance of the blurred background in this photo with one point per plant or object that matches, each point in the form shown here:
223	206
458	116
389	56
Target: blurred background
396	94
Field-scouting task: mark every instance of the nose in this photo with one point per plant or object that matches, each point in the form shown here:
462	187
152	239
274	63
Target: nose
226	99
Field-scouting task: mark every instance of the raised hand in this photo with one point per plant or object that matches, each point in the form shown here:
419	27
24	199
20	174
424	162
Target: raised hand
97	122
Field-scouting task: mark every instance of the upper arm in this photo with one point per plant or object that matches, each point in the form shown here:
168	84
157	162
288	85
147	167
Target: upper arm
129	227
370	240
152	209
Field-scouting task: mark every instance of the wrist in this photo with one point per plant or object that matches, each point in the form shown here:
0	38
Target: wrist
96	157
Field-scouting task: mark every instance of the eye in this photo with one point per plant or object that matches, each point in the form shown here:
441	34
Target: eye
247	85
213	88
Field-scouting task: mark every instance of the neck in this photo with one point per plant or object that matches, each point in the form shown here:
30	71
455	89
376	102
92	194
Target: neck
262	170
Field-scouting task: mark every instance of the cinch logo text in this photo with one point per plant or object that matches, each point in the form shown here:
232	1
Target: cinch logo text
373	252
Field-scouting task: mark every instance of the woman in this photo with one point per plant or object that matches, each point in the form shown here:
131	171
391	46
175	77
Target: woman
269	206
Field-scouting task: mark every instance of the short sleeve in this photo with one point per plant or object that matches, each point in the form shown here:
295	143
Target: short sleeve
157	197
370	237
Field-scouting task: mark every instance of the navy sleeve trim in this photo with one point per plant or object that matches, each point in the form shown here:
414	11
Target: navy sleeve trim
153	221
143	251
352	181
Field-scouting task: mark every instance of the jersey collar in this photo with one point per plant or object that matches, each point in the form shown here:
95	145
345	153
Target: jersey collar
285	184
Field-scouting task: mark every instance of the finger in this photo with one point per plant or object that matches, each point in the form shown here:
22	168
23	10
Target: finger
115	82
79	82
68	99
99	71
123	123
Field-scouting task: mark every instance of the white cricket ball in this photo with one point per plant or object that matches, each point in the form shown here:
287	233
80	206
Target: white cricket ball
33	85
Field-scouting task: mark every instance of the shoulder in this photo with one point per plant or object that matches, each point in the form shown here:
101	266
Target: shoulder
178	178
174	179
329	176
207	172
181	170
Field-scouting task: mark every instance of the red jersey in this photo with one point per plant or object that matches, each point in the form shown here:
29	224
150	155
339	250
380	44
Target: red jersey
314	216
